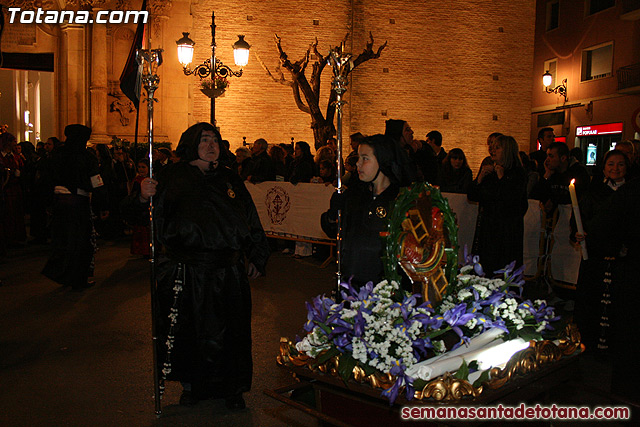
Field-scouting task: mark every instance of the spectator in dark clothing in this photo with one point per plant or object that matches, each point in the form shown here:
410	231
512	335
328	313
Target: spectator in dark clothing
426	162
277	154
455	174
43	193
501	190
12	215
490	140
243	159
327	172
288	157
545	138
351	175
402	134
262	167
553	187
302	167
532	174
161	158
628	150
355	140
434	140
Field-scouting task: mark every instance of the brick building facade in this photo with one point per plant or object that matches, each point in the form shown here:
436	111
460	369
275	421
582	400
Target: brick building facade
463	67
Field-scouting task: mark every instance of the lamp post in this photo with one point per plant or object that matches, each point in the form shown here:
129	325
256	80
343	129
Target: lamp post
213	67
561	89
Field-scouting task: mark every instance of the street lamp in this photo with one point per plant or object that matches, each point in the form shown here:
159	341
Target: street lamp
212	67
561	89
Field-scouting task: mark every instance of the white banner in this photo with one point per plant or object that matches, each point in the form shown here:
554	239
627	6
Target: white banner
294	211
291	209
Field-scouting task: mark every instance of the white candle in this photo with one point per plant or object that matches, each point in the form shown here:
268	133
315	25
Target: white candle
576	213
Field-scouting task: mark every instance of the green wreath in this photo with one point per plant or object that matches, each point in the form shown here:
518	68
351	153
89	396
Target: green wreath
406	199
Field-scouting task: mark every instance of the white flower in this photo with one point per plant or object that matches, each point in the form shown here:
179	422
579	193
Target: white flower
471	323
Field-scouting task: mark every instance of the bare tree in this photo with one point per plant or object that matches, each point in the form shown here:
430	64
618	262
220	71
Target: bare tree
306	92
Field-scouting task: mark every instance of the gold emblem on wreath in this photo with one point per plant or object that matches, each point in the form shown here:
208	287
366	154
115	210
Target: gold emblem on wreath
381	212
231	194
423	249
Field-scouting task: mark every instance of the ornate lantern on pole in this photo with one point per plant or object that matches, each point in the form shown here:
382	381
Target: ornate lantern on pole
341	63
212	67
149	61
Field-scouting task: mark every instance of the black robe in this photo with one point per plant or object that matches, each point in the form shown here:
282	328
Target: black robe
500	232
363	219
72	227
617	224
589	307
207	224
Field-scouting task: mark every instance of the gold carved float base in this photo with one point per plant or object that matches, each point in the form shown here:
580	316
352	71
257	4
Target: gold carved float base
446	388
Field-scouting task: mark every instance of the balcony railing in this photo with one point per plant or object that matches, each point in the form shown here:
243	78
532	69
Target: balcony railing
628	76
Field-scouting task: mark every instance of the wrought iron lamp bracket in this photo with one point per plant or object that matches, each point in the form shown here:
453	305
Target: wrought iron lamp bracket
561	89
204	70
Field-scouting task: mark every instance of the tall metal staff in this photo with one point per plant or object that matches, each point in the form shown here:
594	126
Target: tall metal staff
341	63
150	60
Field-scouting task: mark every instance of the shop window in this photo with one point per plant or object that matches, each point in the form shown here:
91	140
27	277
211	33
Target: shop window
597	62
595	6
553	8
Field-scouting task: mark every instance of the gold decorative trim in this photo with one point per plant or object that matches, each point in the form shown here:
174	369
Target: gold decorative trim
446	387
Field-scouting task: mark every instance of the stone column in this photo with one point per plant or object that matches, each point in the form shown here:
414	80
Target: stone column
73	93
98	87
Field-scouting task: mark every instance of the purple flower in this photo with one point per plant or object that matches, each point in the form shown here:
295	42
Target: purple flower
474	260
457	316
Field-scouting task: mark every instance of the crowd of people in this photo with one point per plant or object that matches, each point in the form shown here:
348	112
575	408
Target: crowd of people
212	241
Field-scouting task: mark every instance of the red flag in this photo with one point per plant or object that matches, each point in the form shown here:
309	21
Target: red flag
131	77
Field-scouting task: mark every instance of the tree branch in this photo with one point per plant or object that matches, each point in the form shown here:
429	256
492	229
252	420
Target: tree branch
368	53
278	71
300	82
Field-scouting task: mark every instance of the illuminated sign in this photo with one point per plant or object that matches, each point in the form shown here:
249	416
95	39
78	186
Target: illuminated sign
607	129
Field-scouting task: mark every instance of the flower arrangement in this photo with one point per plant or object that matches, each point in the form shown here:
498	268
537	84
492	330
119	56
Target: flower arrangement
214	87
384	329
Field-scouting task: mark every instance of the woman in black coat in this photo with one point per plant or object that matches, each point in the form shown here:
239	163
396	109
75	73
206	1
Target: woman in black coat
455	174
208	226
501	190
302	166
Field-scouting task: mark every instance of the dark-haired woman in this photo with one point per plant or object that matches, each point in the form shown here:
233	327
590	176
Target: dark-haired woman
501	190
213	242
302	166
365	209
455	174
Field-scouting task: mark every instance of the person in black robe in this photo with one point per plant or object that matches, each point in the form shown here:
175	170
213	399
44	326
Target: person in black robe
213	242
613	226
593	296
501	190
365	210
75	177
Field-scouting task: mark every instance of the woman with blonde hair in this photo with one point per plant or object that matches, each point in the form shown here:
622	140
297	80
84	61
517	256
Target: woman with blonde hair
501	190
